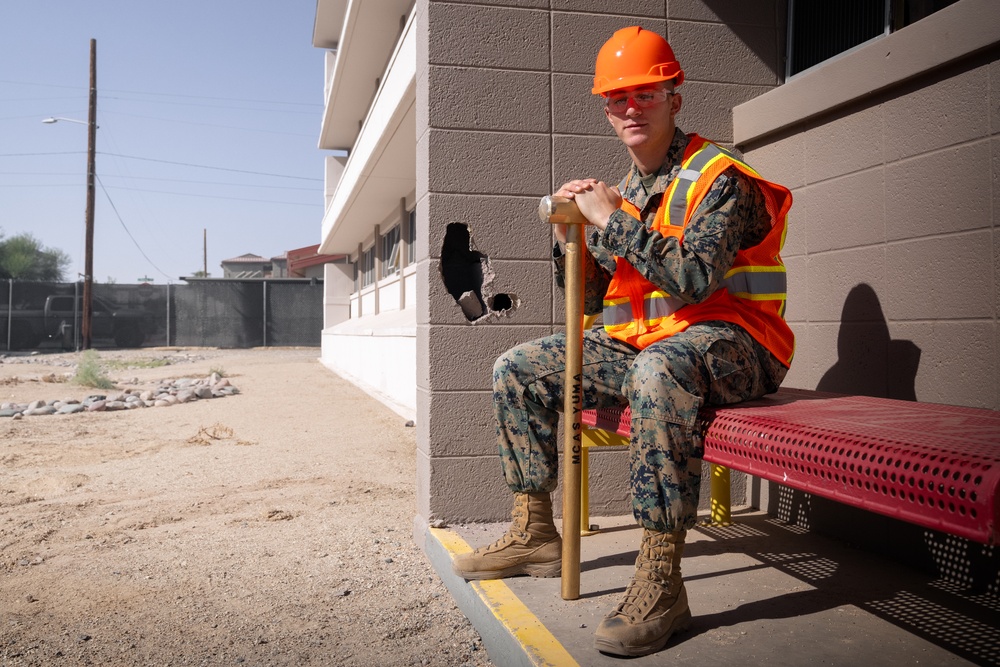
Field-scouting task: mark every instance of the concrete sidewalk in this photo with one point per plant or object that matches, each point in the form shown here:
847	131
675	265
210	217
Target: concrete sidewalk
762	592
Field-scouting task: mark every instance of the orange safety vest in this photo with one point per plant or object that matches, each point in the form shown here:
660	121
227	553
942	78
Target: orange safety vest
753	292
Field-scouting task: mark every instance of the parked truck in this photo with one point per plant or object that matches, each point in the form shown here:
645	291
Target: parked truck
58	319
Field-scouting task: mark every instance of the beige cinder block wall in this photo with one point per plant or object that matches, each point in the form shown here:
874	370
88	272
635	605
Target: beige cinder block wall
504	115
893	249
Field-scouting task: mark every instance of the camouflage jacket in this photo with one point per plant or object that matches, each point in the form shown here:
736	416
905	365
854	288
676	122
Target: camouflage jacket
732	216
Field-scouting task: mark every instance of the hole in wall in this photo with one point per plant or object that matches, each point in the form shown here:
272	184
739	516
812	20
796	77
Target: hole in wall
463	269
468	277
501	303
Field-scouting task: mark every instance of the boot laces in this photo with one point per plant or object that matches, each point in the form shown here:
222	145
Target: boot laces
637	599
651	563
515	533
653	571
510	537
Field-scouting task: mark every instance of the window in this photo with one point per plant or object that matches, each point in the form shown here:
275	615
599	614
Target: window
63	304
821	29
390	252
368	267
411	238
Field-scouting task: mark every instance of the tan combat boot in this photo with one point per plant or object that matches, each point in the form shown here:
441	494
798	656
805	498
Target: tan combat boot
531	545
655	604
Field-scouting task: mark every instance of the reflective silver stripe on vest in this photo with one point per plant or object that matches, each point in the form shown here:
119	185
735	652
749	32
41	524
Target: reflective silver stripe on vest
655	307
686	177
756	282
618	314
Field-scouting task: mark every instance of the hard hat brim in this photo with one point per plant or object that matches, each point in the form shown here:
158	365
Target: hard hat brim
606	86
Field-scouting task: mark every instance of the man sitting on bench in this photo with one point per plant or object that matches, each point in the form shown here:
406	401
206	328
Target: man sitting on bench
685	264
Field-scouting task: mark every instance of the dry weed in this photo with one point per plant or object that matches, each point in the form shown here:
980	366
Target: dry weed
207	434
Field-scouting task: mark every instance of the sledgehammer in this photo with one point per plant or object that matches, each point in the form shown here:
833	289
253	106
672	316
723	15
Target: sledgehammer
559	210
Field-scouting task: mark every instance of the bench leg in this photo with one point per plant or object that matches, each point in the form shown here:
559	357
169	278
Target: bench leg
592	438
585	527
720	504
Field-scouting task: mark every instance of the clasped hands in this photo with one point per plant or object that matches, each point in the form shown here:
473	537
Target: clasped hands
596	200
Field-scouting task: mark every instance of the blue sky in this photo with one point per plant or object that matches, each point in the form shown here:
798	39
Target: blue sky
209	114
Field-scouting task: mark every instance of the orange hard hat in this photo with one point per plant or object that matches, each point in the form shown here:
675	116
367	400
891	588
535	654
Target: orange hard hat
635	57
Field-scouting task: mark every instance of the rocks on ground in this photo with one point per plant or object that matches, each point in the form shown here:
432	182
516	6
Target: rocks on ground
160	394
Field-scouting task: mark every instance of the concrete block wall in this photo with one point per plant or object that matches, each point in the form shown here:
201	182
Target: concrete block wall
893	248
504	116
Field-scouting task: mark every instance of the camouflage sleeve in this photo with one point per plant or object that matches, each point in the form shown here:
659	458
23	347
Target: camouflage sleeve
598	267
732	215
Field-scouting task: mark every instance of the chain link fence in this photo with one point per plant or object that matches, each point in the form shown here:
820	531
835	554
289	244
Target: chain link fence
225	313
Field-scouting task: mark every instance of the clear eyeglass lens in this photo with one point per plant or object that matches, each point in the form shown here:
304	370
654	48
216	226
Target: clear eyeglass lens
643	99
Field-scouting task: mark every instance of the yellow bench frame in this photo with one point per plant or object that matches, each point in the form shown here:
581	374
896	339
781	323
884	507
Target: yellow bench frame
720	508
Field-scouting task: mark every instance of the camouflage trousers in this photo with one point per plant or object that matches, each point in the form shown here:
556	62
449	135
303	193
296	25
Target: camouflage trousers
665	384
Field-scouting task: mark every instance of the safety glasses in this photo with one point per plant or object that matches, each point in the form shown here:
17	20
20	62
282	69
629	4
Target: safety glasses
618	102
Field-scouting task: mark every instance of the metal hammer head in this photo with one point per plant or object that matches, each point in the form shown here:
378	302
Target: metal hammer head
559	210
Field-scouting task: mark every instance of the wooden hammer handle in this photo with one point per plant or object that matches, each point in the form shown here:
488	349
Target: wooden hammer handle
559	210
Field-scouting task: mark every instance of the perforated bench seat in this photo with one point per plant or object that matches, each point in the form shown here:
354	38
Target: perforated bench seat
937	466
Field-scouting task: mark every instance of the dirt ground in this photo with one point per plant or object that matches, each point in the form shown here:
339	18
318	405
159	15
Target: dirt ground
269	528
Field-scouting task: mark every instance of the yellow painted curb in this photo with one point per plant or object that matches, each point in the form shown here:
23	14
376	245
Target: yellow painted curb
541	646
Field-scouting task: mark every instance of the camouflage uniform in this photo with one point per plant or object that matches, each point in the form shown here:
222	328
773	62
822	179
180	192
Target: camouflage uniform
666	383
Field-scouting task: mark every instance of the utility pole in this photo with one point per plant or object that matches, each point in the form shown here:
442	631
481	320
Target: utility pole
204	252
88	271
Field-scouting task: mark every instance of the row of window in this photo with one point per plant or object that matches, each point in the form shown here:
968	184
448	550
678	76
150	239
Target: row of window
821	29
388	245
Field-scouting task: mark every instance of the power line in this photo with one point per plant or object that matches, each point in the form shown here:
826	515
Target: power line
203	166
223	99
165	192
188	122
115	209
160	94
39	185
192	194
33	115
37	154
42	85
209	106
39	99
146	178
151	211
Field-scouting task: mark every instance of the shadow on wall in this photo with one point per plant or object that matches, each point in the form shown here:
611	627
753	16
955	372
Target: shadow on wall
869	362
763	43
468	277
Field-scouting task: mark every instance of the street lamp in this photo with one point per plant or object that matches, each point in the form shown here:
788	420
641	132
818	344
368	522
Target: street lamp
88	271
56	119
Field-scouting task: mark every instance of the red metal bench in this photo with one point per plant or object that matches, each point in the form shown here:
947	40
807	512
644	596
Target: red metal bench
937	466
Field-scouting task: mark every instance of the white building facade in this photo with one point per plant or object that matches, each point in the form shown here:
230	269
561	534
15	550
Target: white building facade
369	334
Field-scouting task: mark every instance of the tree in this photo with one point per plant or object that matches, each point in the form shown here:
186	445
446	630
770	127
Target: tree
23	257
